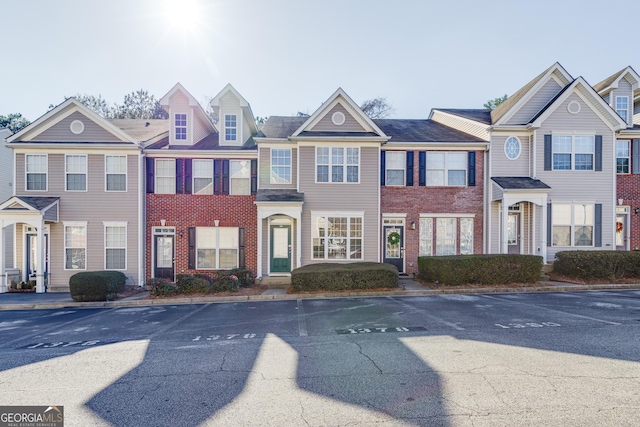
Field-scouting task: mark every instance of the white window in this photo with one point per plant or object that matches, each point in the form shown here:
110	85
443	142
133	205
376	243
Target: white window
181	126
572	225
337	237
202	177
623	156
115	247
337	164
395	163
76	172
622	106
115	173
426	236
446	169
165	176
512	148
466	236
75	246
240	177
573	152
36	171
230	127
445	236
281	166
216	248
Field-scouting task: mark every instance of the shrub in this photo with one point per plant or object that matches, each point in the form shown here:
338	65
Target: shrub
244	275
115	280
188	284
161	287
609	265
481	269
89	286
334	276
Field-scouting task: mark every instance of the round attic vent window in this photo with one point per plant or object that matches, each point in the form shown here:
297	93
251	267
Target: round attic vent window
573	107
77	127
338	118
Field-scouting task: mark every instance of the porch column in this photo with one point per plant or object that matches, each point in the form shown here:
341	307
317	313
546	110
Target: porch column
40	259
259	269
504	235
298	239
3	276
543	230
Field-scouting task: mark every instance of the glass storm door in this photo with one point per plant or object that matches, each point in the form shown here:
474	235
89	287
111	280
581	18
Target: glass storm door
513	233
280	249
393	246
621	232
32	254
164	263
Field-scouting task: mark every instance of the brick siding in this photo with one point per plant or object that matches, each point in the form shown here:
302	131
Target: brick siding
628	189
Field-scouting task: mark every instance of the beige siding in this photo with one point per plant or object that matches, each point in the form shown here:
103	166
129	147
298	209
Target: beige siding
501	165
328	197
93	206
265	170
8	246
496	191
246	129
464	125
265	247
199	128
623	89
61	132
229	104
326	125
536	103
495	228
179	104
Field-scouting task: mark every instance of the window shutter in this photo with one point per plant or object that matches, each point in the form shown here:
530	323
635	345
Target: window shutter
151	162
254	176
242	240
409	170
548	152
422	168
179	176
225	177
598	160
471	166
188	174
383	169
217	176
597	226
549	225
192	248
635	156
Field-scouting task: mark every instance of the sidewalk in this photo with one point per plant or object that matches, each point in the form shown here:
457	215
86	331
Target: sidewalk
408	287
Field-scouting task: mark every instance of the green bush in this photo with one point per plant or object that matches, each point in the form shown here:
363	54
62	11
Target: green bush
609	265
334	276
89	286
161	287
188	284
244	275
482	269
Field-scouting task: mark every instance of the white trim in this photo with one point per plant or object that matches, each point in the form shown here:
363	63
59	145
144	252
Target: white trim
394	215
574	107
86	173
404	168
155	175
26	173
142	236
338	118
217	247
126	173
447	215
66	224
344	164
76	127
271	165
110	224
194	177
347	238
519	148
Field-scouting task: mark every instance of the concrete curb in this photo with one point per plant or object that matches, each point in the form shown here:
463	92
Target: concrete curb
133	302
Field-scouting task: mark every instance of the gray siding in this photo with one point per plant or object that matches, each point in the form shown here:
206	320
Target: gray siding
501	165
8	246
623	89
199	128
229	104
265	169
536	103
326	125
6	167
61	132
463	125
180	105
327	197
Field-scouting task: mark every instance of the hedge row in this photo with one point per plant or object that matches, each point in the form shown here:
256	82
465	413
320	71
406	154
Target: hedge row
202	283
482	269
609	265
96	285
334	276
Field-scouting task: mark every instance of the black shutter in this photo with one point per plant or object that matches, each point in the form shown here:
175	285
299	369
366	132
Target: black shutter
225	177
598	160
597	227
383	172
548	152
422	168
179	176
549	225
188	175
635	156
409	171
471	166
242	240
217	176
254	176
151	162
192	248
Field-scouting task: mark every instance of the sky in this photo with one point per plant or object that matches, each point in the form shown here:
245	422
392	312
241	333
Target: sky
286	56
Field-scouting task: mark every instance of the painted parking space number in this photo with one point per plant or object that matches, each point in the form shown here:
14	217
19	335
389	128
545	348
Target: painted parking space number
224	337
527	325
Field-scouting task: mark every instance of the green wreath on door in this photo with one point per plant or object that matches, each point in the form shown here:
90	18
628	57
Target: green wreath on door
393	238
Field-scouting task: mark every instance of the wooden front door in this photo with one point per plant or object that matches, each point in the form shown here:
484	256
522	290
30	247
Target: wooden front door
280	249
164	261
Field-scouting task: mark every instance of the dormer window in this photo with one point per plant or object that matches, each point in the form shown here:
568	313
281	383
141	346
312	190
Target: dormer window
230	127
622	106
181	127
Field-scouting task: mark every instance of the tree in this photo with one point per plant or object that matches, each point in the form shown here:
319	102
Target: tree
377	108
99	104
493	103
14	122
260	120
209	110
140	105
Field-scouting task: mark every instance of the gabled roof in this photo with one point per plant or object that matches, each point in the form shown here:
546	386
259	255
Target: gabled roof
142	129
30	203
210	142
215	103
280	126
341	97
611	82
166	100
481	115
513	102
279	196
519	183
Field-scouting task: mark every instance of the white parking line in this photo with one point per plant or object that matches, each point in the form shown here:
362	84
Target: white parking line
430	316
302	325
553	309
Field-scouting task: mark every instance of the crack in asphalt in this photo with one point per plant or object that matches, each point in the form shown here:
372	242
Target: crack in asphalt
370	359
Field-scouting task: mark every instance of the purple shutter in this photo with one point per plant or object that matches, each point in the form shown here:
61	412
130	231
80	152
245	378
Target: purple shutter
150	163
242	242
409	171
179	176
225	177
254	176
188	175
217	176
192	248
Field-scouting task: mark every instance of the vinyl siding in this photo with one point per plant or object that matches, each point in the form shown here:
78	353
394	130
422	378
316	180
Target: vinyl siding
199	128
61	132
179	104
327	197
8	246
266	236
6	167
495	228
623	89
265	170
501	165
461	124
536	103
229	104
326	125
94	206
